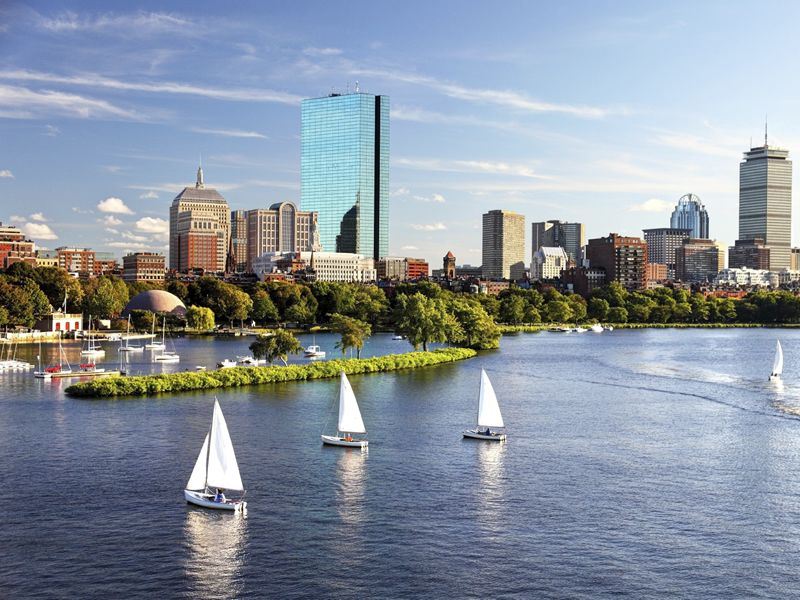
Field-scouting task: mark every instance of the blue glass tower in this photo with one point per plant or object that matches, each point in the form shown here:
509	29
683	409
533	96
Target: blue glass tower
344	171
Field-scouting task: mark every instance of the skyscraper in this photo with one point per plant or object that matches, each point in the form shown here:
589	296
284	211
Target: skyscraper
344	171
662	243
765	201
238	242
690	214
281	228
569	236
623	258
199	226
503	245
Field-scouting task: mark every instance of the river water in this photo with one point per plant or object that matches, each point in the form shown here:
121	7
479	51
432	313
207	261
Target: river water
641	463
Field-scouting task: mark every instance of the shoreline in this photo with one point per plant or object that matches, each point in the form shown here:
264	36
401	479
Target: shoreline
187	381
511	329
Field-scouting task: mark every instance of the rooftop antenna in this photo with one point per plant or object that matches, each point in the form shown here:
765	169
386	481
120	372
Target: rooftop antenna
765	131
356	86
348	87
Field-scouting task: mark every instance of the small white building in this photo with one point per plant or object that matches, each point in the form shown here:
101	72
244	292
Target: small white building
744	277
548	262
59	321
327	266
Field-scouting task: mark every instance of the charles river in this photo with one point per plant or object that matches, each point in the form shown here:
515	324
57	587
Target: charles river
645	464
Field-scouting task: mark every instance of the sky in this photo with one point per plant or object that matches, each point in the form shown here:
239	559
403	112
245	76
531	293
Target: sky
599	112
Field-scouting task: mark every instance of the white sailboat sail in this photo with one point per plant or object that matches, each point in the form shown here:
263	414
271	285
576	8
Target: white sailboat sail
488	408
349	415
777	366
216	464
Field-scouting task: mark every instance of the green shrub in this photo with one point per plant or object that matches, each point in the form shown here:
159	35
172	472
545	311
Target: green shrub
146	385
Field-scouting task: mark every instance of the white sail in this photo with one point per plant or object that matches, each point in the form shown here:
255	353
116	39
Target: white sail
777	366
223	471
488	409
349	416
197	481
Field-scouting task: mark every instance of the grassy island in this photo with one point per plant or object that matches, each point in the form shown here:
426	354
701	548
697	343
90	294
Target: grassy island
146	385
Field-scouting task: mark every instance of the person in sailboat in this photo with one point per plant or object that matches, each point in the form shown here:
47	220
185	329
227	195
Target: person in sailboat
220	496
488	431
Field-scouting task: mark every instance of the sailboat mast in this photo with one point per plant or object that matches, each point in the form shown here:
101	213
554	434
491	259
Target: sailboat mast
208	449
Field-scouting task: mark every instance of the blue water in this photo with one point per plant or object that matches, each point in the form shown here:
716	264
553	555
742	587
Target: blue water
655	464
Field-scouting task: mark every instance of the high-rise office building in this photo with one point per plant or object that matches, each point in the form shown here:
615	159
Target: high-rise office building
281	228
569	236
503	245
662	243
765	202
238	242
690	214
199	226
344	171
699	260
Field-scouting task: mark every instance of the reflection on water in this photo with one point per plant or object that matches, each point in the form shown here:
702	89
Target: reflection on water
351	470
216	548
492	492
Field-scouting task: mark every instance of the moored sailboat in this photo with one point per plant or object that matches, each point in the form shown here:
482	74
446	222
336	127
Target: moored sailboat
166	356
127	347
777	363
488	414
216	467
93	349
350	421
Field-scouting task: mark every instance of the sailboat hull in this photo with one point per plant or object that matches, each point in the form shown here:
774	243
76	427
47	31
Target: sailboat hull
332	440
774	377
207	501
492	437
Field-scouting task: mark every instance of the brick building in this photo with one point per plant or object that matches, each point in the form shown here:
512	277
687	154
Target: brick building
623	258
143	266
14	247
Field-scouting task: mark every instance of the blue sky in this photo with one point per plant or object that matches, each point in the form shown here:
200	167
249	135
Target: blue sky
598	112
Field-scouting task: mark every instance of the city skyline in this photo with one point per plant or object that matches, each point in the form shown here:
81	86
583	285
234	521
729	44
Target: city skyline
103	136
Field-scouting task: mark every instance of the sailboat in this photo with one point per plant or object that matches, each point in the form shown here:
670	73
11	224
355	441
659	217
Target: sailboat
60	369
152	344
777	365
216	467
127	347
350	420
488	414
93	349
170	357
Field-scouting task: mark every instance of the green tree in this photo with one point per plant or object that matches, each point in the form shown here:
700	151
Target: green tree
19	309
558	311
200	318
532	314
512	309
424	320
264	310
20	271
353	332
277	345
56	284
233	303
142	320
478	329
598	308
103	299
40	306
617	314
578	306
179	289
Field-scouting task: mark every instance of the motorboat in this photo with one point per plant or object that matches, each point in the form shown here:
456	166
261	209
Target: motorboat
350	421
314	351
596	328
216	469
579	329
250	361
777	363
398	337
488	414
226	363
609	328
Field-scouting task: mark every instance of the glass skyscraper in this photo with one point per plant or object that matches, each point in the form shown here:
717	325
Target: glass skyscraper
344	171
690	213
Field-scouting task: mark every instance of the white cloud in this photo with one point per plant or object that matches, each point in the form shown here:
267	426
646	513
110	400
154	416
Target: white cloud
652	205
401	191
39	231
23	103
234	133
129	245
429	227
137	23
38	217
114	205
132	236
469	166
113	168
6	174
51	130
17	219
110	221
81	211
409	248
322	51
161	87
438	198
151	195
152	225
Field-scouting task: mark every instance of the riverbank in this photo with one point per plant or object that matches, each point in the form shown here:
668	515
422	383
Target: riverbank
147	385
536	328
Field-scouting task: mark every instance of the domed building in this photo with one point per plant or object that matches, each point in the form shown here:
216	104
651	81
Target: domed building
156	301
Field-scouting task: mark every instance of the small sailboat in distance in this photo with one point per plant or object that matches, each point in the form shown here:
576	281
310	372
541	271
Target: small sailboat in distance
777	365
350	420
488	414
216	467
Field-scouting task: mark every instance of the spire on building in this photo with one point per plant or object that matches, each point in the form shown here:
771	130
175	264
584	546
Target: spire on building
765	131
200	185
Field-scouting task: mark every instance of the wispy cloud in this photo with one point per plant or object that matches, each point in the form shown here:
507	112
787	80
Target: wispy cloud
399	192
23	103
110	221
6	174
652	205
51	130
469	166
38	231
94	80
409	248
711	146
429	226
114	205
38	217
137	23
438	198
113	168
234	133
151	195
312	51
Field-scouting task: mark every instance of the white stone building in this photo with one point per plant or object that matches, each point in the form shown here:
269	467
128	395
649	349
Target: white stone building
548	262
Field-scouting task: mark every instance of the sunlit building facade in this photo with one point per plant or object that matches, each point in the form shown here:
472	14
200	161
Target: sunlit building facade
344	171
